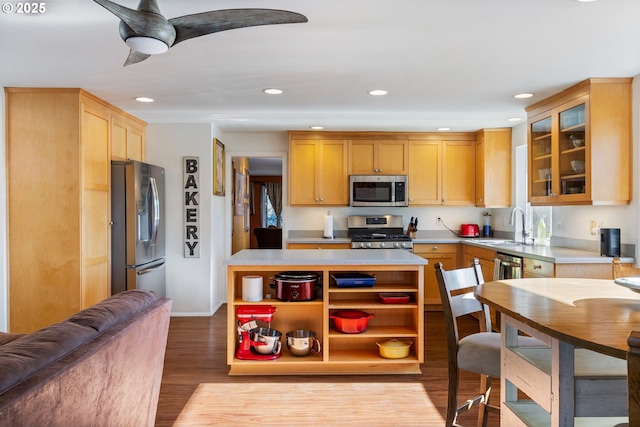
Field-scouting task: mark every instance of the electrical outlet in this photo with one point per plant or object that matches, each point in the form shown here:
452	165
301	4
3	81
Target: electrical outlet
561	225
438	220
593	228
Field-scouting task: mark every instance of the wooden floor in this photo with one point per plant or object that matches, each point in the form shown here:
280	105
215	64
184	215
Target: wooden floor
196	360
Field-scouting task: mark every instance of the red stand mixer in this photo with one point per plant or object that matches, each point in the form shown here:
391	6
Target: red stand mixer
248	315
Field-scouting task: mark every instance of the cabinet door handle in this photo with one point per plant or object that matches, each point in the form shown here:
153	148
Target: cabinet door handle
435	248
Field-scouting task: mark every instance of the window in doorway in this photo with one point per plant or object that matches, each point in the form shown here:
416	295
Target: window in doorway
267	214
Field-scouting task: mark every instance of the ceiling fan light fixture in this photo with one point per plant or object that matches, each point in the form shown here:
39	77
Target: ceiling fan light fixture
147	45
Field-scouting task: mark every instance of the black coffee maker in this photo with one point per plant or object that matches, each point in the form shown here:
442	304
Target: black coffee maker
610	242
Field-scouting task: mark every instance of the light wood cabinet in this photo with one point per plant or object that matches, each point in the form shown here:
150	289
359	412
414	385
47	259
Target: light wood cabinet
493	168
58	187
442	172
486	257
580	145
341	353
445	253
378	156
127	138
318	172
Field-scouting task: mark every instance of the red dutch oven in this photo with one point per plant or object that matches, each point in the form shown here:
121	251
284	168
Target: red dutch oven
351	321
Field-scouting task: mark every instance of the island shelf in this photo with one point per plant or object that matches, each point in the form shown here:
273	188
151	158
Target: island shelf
396	271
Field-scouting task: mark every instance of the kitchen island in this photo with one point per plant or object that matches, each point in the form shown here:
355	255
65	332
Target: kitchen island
395	271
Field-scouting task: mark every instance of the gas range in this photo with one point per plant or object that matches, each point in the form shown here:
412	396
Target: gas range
377	232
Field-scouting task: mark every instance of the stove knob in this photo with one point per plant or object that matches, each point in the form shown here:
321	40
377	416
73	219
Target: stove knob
396	244
383	245
368	244
404	244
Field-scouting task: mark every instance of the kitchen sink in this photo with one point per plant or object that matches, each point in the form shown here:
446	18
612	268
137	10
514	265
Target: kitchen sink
498	242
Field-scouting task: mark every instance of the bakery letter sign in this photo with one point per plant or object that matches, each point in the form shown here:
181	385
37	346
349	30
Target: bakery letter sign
191	207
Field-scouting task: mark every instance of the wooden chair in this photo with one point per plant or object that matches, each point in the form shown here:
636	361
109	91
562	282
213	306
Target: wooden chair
478	352
621	270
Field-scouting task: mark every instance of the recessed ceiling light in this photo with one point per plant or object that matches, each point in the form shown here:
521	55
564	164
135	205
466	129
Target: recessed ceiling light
585	1
377	92
514	119
523	95
316	127
144	99
443	129
273	91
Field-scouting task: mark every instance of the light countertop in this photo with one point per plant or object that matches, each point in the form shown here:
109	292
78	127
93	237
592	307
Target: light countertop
554	254
324	257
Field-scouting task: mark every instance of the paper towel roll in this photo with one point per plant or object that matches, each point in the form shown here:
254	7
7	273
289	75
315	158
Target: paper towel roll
328	225
252	288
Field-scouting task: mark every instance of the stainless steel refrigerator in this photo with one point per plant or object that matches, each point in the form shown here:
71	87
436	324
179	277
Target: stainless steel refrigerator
138	229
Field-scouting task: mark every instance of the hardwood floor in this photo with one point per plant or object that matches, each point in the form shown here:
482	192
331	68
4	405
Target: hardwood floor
196	354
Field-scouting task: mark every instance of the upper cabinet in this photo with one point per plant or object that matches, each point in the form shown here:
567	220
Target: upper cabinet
317	171
442	172
378	156
493	168
127	137
580	145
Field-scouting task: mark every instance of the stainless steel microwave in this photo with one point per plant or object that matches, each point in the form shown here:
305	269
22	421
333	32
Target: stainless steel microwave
378	190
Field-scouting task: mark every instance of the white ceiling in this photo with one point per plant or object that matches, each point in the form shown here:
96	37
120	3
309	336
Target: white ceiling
453	63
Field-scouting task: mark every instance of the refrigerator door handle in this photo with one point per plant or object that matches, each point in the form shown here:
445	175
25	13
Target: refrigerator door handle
156	210
150	269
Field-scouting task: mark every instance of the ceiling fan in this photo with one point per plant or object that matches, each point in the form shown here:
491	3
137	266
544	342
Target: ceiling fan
147	32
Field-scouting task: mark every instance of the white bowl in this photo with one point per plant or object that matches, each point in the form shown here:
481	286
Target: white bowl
577	142
577	166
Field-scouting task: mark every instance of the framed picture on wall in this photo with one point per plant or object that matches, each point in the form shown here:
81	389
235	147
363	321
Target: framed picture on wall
247	217
218	167
238	199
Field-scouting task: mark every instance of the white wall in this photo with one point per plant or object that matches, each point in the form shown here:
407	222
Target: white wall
196	285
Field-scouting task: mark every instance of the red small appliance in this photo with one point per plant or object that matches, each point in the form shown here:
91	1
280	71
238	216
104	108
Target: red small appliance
469	230
248	316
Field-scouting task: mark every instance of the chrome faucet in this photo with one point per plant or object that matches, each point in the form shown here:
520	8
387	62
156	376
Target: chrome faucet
512	221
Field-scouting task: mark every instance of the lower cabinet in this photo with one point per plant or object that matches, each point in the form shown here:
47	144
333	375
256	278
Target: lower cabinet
536	268
486	257
341	353
447	254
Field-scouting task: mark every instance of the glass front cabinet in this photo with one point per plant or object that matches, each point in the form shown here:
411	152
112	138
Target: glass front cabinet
579	154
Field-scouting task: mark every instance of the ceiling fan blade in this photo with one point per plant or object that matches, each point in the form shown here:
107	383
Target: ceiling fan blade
135	57
200	24
124	13
146	21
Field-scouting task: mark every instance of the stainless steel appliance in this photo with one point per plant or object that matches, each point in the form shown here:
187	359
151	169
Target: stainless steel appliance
377	232
507	267
138	230
378	190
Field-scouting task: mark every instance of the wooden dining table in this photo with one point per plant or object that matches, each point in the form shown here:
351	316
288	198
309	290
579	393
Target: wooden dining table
574	319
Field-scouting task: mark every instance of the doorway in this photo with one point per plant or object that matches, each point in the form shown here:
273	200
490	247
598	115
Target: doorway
260	224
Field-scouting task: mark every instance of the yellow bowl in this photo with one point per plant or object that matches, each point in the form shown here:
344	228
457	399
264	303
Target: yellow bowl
394	349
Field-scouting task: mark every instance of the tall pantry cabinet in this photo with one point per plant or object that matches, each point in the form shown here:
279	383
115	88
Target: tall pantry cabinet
59	206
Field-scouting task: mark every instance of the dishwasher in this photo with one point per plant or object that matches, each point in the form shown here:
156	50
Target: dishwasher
507	266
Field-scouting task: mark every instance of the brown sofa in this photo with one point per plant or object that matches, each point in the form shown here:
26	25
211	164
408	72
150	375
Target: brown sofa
100	367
